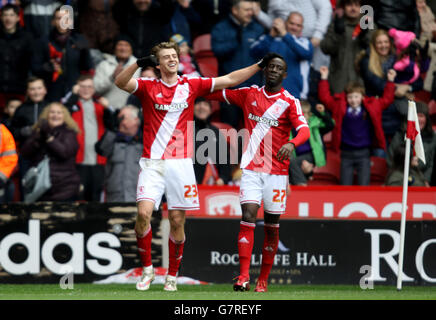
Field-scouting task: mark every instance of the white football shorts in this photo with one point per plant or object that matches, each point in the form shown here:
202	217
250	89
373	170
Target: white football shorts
174	177
271	188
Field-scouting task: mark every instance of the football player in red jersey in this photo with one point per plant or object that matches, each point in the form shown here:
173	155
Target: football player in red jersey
166	163
270	113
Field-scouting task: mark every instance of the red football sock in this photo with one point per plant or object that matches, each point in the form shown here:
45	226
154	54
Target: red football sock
270	245
144	247
245	246
175	253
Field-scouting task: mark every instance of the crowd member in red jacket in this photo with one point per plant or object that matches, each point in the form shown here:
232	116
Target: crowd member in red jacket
358	127
90	117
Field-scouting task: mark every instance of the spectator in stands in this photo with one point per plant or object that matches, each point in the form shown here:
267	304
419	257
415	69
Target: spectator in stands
38	16
411	61
429	83
97	24
9	111
145	22
395	173
184	16
285	38
428	23
343	41
211	12
316	15
231	40
110	67
15	55
54	135
26	116
62	57
428	139
209	135
8	162
311	154
374	66
358	121
92	119
402	15
122	148
28	112
187	66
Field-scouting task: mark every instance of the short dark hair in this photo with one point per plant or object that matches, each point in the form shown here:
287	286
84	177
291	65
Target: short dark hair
57	10
237	2
32	79
10	6
344	3
84	77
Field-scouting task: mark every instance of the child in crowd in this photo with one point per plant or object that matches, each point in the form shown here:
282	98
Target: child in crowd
411	58
358	125
311	154
187	65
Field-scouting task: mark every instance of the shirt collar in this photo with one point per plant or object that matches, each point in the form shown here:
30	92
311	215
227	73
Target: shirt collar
351	110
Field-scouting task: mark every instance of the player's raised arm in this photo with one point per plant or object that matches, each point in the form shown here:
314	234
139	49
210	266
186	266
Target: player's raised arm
237	77
125	80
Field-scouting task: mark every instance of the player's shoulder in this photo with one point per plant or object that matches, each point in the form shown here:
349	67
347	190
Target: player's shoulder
147	79
252	88
192	78
286	94
289	97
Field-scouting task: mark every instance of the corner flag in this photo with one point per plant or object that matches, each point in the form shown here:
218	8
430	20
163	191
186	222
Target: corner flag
413	132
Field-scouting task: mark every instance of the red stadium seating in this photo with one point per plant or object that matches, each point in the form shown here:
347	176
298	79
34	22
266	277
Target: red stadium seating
329	174
379	170
423	96
203	53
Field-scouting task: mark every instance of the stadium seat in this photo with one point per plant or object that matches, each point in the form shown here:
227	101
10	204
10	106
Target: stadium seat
432	111
422	96
204	56
379	170
202	43
329	174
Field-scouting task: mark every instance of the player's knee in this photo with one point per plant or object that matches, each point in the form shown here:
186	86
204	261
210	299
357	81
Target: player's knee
271	218
249	216
144	215
177	220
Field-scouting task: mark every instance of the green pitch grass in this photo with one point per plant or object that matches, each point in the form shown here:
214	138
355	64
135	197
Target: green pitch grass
212	292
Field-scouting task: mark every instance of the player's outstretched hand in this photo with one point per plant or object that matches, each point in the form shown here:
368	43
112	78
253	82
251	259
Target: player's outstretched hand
267	58
285	151
148	61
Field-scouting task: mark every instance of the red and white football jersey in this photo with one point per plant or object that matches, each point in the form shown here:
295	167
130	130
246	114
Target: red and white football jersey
269	119
168	112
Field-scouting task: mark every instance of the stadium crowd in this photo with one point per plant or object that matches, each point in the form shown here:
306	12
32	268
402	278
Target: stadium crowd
353	70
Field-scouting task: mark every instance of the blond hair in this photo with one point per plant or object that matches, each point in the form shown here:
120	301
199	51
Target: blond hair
375	61
164	45
68	120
